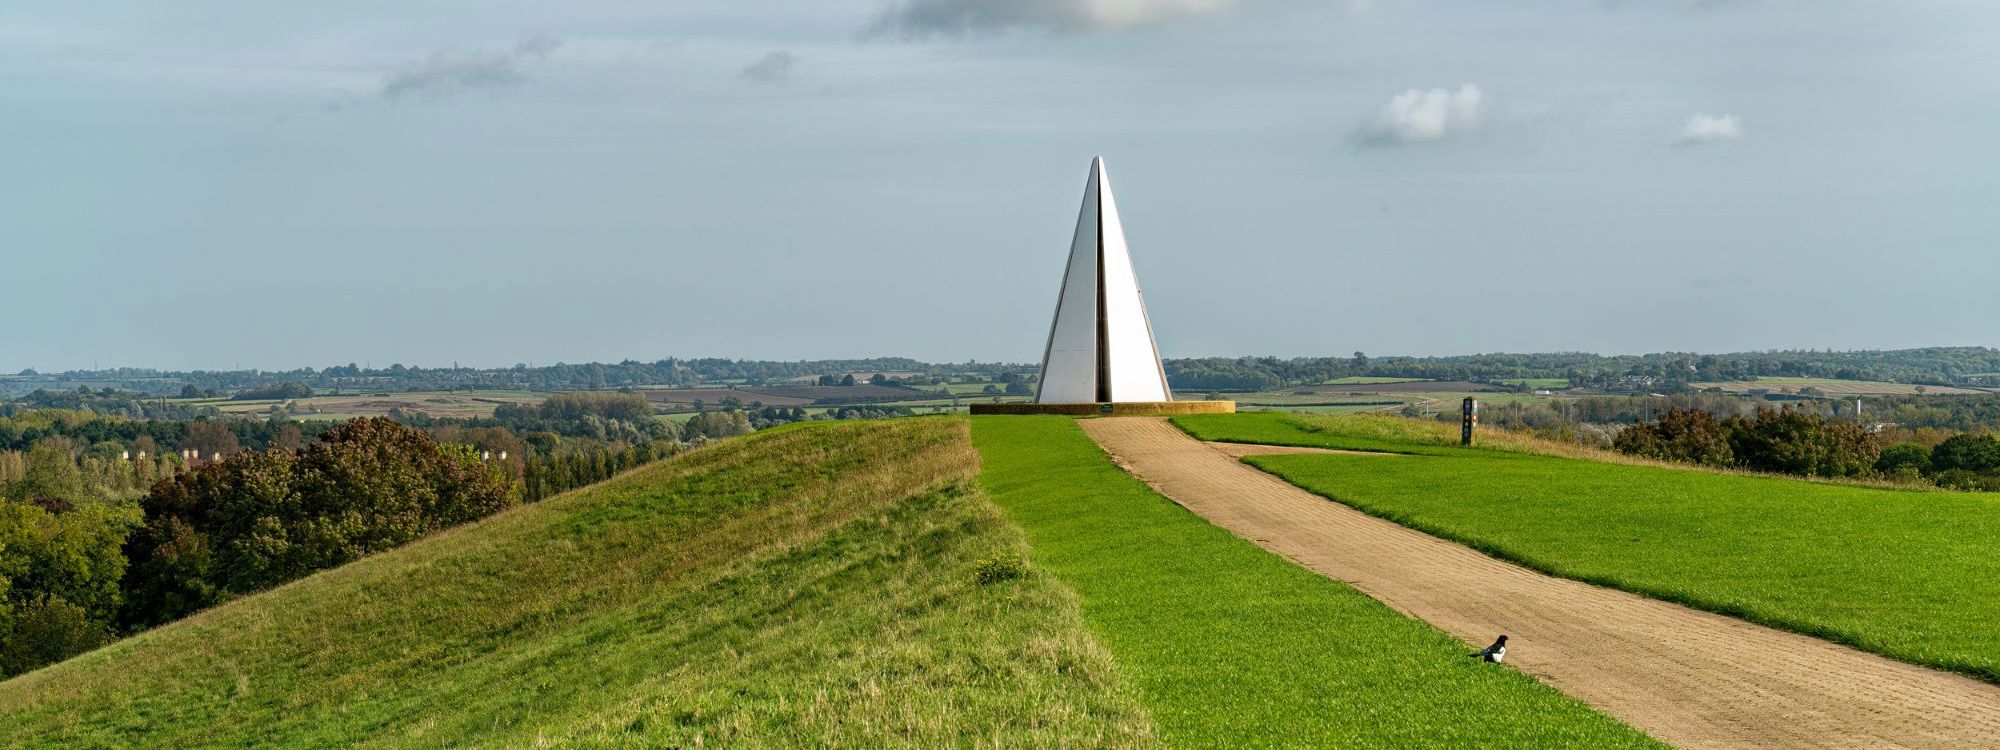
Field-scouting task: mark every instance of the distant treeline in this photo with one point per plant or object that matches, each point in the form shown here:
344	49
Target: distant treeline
1643	372
107	401
557	377
1586	419
1935	365
104	435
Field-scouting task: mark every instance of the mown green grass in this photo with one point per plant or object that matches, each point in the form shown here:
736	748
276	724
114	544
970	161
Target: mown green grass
1231	646
1911	575
805	587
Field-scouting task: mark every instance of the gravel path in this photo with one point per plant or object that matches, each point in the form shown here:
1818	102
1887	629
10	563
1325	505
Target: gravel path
1690	678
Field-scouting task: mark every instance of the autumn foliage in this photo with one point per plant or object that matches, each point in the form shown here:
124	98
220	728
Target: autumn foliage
260	519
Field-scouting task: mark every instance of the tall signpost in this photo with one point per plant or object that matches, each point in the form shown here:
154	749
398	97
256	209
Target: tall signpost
1469	415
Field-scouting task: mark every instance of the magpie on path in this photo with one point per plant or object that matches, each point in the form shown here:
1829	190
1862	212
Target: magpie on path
1495	653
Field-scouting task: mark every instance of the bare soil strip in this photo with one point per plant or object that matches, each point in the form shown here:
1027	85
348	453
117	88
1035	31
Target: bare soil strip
1690	678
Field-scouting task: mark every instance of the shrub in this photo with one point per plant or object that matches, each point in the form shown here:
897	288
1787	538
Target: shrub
1685	435
1903	458
1796	441
1002	567
1958	479
1974	452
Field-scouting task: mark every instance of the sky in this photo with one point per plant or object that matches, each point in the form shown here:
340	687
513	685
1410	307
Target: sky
274	185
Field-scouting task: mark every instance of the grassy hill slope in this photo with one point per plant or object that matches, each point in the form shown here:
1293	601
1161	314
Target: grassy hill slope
1906	574
801	587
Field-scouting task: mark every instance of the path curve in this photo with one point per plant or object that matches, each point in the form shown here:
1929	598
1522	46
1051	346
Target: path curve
1690	678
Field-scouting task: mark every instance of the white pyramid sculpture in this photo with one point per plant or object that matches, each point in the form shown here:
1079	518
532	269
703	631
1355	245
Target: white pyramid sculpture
1100	345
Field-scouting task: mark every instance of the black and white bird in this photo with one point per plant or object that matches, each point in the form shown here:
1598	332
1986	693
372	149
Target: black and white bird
1495	653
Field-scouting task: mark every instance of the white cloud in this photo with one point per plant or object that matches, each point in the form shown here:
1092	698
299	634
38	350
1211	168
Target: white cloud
770	68
923	18
1706	128
448	71
1420	116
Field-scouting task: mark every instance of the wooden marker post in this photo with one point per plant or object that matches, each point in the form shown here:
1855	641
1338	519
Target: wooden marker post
1469	413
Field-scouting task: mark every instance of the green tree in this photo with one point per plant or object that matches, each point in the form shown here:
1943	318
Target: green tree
1797	441
55	568
52	473
47	631
1685	435
1973	452
262	518
1903	458
717	424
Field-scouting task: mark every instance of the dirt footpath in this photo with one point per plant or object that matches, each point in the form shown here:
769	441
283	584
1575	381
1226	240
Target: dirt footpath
1690	678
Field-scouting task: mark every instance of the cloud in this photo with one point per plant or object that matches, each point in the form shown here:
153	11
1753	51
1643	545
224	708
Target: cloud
916	19
1419	116
770	68
1706	128
449	71
538	46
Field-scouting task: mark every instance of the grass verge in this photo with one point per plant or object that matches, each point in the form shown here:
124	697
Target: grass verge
1230	646
1910	575
802	588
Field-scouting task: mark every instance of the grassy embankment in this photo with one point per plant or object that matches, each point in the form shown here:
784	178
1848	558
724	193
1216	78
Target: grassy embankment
1911	575
1231	646
802	588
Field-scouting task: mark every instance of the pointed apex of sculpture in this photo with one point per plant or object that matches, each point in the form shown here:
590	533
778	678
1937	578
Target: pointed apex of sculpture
1101	358
1101	346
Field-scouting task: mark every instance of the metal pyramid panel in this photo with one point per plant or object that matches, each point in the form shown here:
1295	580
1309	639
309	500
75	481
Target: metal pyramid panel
1101	344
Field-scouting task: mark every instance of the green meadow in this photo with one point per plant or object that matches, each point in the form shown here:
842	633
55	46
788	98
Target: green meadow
1231	646
1907	574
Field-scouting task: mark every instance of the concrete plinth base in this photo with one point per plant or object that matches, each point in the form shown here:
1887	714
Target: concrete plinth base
1119	409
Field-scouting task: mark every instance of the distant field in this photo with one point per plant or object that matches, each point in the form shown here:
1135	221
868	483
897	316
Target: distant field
1405	386
1360	399
1317	408
1231	646
962	389
440	404
1832	387
779	395
684	398
1369	380
1537	383
1911	575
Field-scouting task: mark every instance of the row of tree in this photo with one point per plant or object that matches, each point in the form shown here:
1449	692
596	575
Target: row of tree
546	477
1967	461
1799	441
111	435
